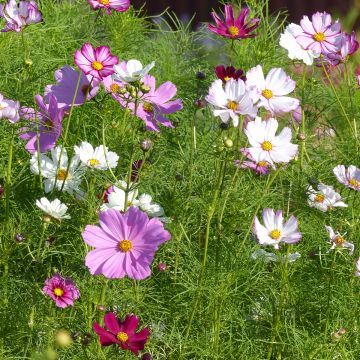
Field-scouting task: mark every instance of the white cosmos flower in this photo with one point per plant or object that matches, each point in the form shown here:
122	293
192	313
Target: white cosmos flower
131	71
95	158
295	50
270	91
54	208
145	203
116	198
271	257
275	230
324	198
55	172
266	146
230	101
338	241
350	177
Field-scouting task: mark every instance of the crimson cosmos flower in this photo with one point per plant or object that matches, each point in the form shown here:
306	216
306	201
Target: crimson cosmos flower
229	72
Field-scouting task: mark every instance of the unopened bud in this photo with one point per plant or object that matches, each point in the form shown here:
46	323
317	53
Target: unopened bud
145	145
144	88
301	136
228	143
63	338
19	238
46	218
200	103
28	62
200	75
224	126
162	267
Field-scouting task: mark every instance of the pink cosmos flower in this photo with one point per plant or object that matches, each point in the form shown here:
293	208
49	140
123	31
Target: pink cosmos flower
49	121
64	90
9	109
225	74
62	291
319	34
97	62
125	244
348	46
19	15
113	87
260	168
122	333
234	28
108	5
157	103
350	177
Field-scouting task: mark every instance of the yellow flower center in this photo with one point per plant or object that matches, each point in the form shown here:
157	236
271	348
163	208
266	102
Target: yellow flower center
232	105
354	182
226	78
319	36
266	145
148	107
125	245
58	292
2	107
114	87
122	337
62	174
233	30
339	240
94	162
104	2
268	94
275	234
319	198
96	65
262	163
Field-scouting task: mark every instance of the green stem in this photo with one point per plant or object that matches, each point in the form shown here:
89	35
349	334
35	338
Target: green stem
8	176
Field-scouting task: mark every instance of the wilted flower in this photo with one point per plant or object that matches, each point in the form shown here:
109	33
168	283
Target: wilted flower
108	5
271	91
348	46
98	62
9	109
62	290
238	28
122	333
350	177
260	168
275	230
325	198
131	71
55	208
338	240
226	73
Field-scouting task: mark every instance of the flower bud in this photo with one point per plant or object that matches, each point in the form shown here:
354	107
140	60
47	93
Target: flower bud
228	143
63	338
101	307
19	238
28	62
144	88
301	136
146	356
200	75
47	219
162	267
224	126
129	88
145	145
200	103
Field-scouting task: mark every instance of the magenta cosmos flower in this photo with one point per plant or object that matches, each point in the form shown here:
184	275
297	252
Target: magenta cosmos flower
350	177
97	62
64	90
49	123
122	333
62	291
125	244
319	34
234	28
260	168
226	73
108	5
19	15
348	46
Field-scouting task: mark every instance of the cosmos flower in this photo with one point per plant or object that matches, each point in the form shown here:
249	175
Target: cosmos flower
115	88
48	122
266	146
125	244
17	16
99	158
319	34
55	208
64	89
116	195
238	28
231	101
260	168
295	51
271	91
122	333
350	177
108	5
357	267
62	290
348	46
98	62
9	109
338	241
275	230
146	204
131	71
324	198
226	73
67	177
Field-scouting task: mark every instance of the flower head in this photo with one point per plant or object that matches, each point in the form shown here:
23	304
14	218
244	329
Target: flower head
9	109
350	177
122	333
54	208
338	241
108	5
97	62
226	73
324	198
231	101
131	71
62	290
271	91
266	146
239	28
348	45
125	244
48	122
260	168
275	230
19	15
116	195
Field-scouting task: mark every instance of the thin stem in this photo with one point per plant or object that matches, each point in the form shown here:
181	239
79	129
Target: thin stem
8	175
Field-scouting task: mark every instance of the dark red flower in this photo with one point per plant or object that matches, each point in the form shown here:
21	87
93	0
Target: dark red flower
122	333
227	73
